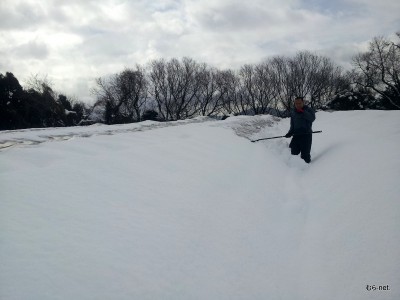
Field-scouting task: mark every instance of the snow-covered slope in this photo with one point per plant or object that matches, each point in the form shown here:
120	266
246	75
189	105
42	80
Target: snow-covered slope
197	211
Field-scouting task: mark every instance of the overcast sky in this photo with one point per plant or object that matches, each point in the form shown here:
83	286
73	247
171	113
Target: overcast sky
75	41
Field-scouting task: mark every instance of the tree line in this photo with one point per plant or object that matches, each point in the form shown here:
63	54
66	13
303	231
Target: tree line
176	89
180	89
37	105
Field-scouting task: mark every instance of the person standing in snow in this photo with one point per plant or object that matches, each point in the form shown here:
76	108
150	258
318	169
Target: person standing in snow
301	119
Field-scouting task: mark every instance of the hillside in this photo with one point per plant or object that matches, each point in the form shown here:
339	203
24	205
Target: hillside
194	210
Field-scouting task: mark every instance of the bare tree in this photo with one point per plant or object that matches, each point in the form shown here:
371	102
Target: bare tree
175	87
123	95
379	68
306	74
314	77
159	87
211	91
248	88
232	98
257	86
41	84
133	90
282	82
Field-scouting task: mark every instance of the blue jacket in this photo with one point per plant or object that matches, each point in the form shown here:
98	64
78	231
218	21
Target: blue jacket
301	122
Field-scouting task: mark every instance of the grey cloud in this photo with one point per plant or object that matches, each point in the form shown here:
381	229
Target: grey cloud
31	50
332	7
23	15
341	55
163	6
106	46
30	15
236	17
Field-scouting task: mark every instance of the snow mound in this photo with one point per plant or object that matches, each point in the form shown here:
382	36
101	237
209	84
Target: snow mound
23	137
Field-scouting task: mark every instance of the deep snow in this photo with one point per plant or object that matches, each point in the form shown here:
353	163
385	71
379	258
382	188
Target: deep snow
194	210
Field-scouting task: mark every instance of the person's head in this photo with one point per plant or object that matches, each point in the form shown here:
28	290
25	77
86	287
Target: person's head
299	102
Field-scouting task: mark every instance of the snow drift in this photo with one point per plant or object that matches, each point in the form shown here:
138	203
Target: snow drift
194	210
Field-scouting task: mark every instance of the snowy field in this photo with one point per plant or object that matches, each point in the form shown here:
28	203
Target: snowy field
194	210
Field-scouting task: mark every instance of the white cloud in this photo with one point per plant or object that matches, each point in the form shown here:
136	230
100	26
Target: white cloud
76	41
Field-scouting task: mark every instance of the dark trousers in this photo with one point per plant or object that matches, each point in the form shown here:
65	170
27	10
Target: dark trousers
302	144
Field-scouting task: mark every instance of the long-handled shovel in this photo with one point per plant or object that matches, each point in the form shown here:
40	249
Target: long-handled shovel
281	136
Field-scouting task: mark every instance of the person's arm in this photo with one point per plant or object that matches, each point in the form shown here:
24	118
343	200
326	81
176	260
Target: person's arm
290	132
309	114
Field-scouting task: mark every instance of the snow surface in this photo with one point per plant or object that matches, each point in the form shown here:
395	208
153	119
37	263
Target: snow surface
194	210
